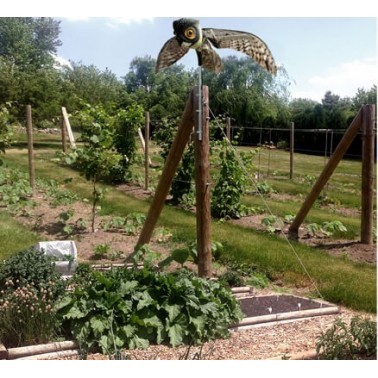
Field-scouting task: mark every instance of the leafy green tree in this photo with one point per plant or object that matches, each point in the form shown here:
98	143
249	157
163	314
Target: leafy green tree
28	76
126	122
4	130
88	84
364	97
95	159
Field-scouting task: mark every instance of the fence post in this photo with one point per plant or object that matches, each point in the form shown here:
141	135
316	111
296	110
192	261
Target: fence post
64	136
29	130
146	150
367	189
291	149
202	178
228	128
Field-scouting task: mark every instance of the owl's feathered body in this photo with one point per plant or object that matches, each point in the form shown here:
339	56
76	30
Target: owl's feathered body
188	35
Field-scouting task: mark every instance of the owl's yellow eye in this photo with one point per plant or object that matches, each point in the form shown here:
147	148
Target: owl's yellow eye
190	33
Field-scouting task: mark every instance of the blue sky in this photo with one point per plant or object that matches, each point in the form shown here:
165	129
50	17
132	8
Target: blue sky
319	54
321	47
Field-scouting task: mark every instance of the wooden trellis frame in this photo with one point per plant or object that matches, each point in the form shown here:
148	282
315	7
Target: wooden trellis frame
184	131
364	120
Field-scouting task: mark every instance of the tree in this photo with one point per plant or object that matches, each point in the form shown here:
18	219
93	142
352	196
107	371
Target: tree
88	84
27	46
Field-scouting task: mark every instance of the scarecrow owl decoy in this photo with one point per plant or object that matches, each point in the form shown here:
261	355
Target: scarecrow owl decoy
189	35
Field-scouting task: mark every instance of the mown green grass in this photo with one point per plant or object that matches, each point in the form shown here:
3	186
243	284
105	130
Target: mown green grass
338	280
13	236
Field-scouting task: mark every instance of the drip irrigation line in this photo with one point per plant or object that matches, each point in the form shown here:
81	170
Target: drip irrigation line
267	206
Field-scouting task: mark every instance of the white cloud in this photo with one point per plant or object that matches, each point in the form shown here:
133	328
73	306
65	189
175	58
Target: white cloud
343	80
115	22
61	62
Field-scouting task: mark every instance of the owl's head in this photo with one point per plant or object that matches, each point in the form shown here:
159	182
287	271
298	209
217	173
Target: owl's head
187	31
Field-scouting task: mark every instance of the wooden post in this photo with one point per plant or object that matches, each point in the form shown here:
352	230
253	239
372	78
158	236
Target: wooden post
29	130
175	153
64	136
68	127
146	150
340	150
228	128
367	189
291	149
202	177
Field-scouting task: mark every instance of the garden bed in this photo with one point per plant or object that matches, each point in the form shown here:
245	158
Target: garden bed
279	307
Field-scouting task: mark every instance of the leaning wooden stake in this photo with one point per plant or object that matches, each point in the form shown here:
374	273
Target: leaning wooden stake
29	130
177	149
367	187
340	150
68	127
202	178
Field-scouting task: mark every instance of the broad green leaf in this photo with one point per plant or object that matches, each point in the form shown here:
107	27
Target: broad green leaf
128	330
127	287
175	333
144	300
75	313
173	311
97	325
137	342
180	255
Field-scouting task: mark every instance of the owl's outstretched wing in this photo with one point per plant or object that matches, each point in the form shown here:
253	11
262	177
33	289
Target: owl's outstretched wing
210	59
170	53
247	43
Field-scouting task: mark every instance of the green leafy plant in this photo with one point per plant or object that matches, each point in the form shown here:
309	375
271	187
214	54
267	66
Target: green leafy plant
101	250
272	223
343	342
189	253
230	186
133	308
329	228
182	188
5	133
130	224
264	188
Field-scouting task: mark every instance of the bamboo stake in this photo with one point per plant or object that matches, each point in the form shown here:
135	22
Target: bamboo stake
202	176
340	150
19	352
177	149
367	188
29	130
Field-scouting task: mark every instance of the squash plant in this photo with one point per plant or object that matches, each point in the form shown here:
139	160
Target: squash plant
133	308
